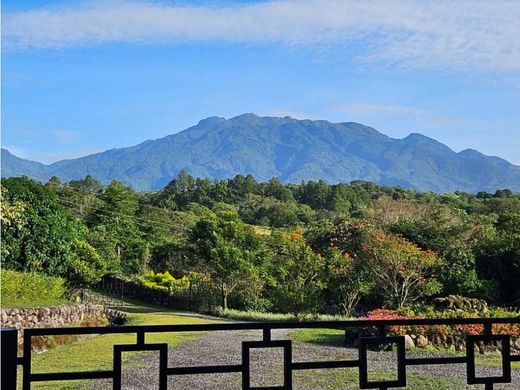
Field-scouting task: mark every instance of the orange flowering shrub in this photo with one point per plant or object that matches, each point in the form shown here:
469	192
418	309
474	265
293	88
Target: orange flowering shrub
442	330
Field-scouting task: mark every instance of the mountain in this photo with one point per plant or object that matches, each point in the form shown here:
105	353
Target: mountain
290	149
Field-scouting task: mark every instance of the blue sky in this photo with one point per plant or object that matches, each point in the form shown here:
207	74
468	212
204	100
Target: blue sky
81	77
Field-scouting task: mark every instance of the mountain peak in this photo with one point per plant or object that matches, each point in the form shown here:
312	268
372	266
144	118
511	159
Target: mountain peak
245	116
470	153
418	138
290	149
211	120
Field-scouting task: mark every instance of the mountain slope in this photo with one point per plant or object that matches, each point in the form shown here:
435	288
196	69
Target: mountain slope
290	149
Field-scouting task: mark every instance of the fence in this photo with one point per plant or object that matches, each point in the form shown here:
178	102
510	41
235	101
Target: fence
197	298
10	359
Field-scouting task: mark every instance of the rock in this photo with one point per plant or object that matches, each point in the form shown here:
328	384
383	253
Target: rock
408	342
421	341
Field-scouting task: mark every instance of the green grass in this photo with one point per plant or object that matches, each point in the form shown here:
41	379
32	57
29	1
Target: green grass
346	378
493	360
96	353
260	316
334	337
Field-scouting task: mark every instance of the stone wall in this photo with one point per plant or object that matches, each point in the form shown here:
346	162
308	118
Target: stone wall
59	316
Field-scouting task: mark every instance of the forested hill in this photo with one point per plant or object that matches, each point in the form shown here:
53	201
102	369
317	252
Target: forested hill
289	149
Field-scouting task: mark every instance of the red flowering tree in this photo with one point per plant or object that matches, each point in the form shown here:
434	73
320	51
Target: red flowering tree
403	272
349	279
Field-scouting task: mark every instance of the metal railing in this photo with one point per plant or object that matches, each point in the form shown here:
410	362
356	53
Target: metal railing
10	359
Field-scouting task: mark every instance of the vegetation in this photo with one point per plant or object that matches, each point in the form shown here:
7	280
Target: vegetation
304	249
165	282
20	289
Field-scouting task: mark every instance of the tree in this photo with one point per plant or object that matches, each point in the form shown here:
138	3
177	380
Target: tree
297	274
452	234
118	218
498	259
348	279
403	271
12	218
49	240
229	251
274	188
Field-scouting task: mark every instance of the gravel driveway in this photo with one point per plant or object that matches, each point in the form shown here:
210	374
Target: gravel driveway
224	347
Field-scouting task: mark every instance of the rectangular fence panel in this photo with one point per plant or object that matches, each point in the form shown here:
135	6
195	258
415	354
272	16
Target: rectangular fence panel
361	364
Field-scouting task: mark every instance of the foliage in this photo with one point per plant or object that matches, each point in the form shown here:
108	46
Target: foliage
297	274
404	271
24	288
49	240
229	250
444	330
349	279
165	282
269	246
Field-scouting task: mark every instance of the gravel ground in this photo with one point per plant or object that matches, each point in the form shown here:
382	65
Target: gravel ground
224	347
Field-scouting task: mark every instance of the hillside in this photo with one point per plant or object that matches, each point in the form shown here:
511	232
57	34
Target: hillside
290	149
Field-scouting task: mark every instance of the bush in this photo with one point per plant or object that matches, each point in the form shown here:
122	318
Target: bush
165	282
241	300
443	331
27	287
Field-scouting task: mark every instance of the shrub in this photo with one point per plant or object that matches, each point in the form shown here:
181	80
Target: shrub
26	287
165	282
422	311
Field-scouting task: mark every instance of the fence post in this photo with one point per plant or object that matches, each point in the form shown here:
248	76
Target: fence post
9	357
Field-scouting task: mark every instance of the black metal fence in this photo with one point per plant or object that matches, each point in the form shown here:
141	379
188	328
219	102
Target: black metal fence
10	359
199	297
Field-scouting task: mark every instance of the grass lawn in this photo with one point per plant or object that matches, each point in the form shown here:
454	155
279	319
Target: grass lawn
334	337
347	378
96	353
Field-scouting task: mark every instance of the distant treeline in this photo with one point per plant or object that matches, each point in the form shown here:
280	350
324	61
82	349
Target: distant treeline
269	245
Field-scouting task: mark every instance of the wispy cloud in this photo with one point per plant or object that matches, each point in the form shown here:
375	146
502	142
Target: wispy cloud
425	116
460	34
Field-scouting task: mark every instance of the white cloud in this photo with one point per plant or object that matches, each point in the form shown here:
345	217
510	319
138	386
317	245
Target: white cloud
461	34
423	115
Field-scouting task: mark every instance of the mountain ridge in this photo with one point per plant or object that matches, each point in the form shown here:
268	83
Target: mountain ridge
290	149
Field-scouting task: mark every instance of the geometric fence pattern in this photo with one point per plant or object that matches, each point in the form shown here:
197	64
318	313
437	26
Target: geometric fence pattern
10	359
